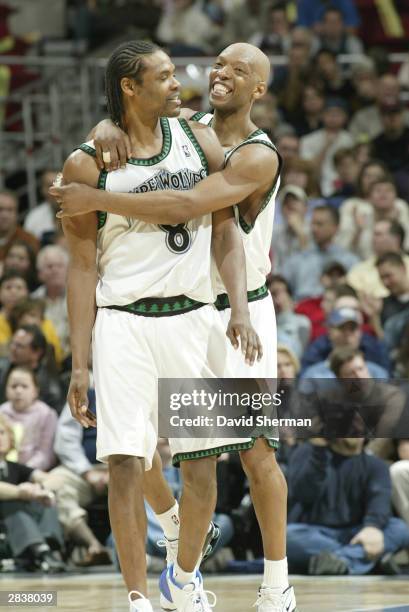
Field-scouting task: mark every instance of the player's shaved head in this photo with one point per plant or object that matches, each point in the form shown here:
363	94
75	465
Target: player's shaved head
258	60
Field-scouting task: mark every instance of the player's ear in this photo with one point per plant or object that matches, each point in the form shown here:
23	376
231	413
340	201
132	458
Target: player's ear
259	90
128	86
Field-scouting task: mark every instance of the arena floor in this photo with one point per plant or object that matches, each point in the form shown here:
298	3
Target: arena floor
104	592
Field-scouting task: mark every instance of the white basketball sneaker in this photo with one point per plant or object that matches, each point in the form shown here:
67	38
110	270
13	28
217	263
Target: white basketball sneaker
139	605
186	598
269	601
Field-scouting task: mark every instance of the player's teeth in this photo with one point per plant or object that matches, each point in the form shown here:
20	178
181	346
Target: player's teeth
220	89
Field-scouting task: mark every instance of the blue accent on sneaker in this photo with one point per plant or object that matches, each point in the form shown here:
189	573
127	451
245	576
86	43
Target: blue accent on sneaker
163	585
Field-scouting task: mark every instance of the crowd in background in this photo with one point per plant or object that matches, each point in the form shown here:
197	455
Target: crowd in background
339	282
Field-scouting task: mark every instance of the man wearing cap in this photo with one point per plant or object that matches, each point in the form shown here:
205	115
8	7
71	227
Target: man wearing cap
321	145
293	234
344	331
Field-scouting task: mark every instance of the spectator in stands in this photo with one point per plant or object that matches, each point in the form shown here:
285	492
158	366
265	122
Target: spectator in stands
368	120
41	221
388	236
13	289
31	524
10	231
400	481
186	30
288	144
347	171
310	13
355	210
78	481
321	145
328	72
243	20
32	312
28	348
317	309
392	144
21	257
383	205
364	82
344	329
401	354
293	235
303	270
34	422
52	266
310	118
395	277
301	173
353	534
289	80
264	114
334	36
293	329
273	35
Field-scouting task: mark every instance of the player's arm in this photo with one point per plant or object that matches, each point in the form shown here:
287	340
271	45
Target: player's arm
109	138
249	169
228	252
81	235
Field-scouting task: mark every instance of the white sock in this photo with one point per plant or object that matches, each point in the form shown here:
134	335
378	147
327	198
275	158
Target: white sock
276	574
169	521
181	576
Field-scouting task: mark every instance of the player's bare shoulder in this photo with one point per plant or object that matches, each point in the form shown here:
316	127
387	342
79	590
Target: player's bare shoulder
209	143
257	161
81	168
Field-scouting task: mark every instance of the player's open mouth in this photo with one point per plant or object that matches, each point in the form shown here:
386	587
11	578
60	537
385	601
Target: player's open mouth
219	90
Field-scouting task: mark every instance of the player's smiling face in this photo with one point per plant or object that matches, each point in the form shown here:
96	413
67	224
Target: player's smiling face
160	91
231	81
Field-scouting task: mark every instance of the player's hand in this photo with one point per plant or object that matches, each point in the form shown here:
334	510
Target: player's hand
78	398
110	140
74	199
242	334
372	541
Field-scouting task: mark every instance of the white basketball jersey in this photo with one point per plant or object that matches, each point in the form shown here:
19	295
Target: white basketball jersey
257	237
138	260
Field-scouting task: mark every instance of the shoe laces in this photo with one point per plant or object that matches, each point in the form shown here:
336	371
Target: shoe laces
200	602
171	549
270	596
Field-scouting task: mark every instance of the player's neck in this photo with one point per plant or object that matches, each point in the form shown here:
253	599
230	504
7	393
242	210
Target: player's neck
144	131
232	127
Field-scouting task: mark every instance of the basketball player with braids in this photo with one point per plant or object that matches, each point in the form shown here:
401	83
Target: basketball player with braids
143	292
250	181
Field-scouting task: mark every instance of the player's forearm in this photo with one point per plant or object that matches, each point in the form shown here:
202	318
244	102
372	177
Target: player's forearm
167	207
229	255
81	312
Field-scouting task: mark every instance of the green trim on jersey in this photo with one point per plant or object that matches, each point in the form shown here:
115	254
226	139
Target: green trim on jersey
197	116
218	450
160	307
102	179
246	227
87	149
188	131
222	301
166	147
102	216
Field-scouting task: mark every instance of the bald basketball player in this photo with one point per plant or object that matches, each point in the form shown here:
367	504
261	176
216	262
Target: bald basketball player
249	182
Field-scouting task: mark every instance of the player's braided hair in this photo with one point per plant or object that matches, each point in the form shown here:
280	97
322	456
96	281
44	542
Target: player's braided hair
125	61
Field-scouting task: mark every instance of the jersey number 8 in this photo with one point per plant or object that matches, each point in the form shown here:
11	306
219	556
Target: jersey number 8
178	237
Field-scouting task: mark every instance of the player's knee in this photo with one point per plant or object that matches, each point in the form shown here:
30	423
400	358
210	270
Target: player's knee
125	468
199	476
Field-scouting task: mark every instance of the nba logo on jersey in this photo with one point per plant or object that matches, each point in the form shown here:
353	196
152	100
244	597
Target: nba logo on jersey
186	151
